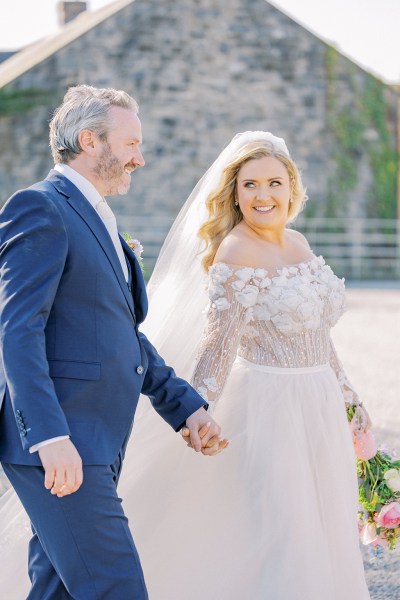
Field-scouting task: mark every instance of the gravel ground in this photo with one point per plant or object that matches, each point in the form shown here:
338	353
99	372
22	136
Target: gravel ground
367	339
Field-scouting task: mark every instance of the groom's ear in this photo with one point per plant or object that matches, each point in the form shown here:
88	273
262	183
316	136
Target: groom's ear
88	142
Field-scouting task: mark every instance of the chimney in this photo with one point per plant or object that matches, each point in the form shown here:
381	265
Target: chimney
69	10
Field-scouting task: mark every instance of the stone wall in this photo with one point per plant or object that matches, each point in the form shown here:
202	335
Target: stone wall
203	70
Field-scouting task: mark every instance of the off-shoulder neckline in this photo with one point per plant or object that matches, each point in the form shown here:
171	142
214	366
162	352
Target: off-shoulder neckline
277	270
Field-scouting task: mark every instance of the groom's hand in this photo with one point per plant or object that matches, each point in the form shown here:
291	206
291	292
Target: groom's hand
62	467
195	422
203	433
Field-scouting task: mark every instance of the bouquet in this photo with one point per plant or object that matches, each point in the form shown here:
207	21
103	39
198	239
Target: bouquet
378	473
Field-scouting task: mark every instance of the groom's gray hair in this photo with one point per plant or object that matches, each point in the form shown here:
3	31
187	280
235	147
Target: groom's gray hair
84	107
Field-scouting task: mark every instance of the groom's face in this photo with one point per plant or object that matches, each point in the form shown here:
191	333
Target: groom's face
120	153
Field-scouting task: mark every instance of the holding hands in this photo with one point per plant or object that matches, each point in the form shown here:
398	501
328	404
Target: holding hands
202	434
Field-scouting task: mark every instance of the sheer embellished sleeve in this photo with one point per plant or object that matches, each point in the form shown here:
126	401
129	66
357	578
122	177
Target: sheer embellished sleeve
359	416
229	311
349	394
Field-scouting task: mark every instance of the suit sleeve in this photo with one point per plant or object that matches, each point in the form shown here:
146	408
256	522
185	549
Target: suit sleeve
172	397
33	250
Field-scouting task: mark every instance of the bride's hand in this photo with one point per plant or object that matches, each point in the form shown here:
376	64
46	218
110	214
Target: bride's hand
214	445
213	448
361	420
367	418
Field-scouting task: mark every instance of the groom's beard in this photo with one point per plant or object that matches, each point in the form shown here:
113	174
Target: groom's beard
112	173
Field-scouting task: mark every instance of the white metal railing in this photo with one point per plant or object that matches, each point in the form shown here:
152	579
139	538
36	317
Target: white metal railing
358	249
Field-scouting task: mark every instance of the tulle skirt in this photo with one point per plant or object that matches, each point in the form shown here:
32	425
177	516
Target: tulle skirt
272	517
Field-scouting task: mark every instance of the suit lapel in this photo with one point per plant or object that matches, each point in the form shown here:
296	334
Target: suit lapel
138	284
86	211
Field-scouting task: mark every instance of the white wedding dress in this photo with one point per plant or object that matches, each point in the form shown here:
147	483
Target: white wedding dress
273	517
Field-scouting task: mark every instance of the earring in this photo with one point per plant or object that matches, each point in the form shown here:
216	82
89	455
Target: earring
236	203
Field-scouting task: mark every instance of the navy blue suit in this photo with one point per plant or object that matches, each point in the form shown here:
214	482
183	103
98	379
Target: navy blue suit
73	362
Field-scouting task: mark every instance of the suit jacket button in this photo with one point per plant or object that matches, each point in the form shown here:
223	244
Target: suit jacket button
139	370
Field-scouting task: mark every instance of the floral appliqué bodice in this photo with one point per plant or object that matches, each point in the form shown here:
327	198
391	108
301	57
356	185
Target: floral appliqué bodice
283	320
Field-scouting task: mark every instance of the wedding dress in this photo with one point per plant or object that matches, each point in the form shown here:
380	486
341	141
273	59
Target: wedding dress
275	515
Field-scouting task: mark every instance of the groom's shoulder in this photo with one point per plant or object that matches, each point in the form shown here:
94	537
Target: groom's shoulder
44	186
39	194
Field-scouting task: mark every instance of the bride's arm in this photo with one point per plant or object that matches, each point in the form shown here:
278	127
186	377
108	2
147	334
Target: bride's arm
349	394
226	319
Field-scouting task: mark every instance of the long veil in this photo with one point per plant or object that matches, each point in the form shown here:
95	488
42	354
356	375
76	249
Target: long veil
177	317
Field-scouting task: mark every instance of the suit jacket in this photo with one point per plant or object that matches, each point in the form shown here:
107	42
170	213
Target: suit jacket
73	361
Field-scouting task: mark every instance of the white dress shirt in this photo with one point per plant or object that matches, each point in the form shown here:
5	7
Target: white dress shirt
93	196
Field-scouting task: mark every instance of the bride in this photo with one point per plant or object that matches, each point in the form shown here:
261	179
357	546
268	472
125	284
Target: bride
249	319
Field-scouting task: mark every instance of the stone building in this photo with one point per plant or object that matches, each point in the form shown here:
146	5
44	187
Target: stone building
203	70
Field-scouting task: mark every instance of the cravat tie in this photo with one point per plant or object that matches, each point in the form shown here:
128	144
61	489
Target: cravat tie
110	222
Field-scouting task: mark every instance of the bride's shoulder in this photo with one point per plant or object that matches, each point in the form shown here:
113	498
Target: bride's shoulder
297	238
235	249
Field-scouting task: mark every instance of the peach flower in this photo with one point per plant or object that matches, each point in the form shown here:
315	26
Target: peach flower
380	541
364	444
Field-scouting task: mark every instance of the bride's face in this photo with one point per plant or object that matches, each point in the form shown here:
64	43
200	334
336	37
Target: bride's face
263	193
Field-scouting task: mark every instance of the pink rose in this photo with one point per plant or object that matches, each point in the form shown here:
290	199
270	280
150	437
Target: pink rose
364	444
389	516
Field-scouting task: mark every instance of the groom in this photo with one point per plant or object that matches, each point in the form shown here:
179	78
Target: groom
73	361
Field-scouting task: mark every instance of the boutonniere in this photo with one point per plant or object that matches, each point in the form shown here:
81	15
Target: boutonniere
135	246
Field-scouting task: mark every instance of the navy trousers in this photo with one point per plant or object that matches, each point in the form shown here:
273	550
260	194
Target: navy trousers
82	547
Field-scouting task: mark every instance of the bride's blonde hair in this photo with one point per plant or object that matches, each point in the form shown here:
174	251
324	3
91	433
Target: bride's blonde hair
223	214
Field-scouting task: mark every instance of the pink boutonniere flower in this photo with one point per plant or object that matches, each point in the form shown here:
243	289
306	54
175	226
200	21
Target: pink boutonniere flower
135	246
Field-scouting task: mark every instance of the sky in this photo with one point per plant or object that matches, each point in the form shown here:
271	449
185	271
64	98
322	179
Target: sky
365	30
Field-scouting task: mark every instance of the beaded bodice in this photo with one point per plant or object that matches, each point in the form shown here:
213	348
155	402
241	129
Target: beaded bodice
280	320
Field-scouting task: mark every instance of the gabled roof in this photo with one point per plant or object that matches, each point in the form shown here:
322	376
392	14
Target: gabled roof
37	52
